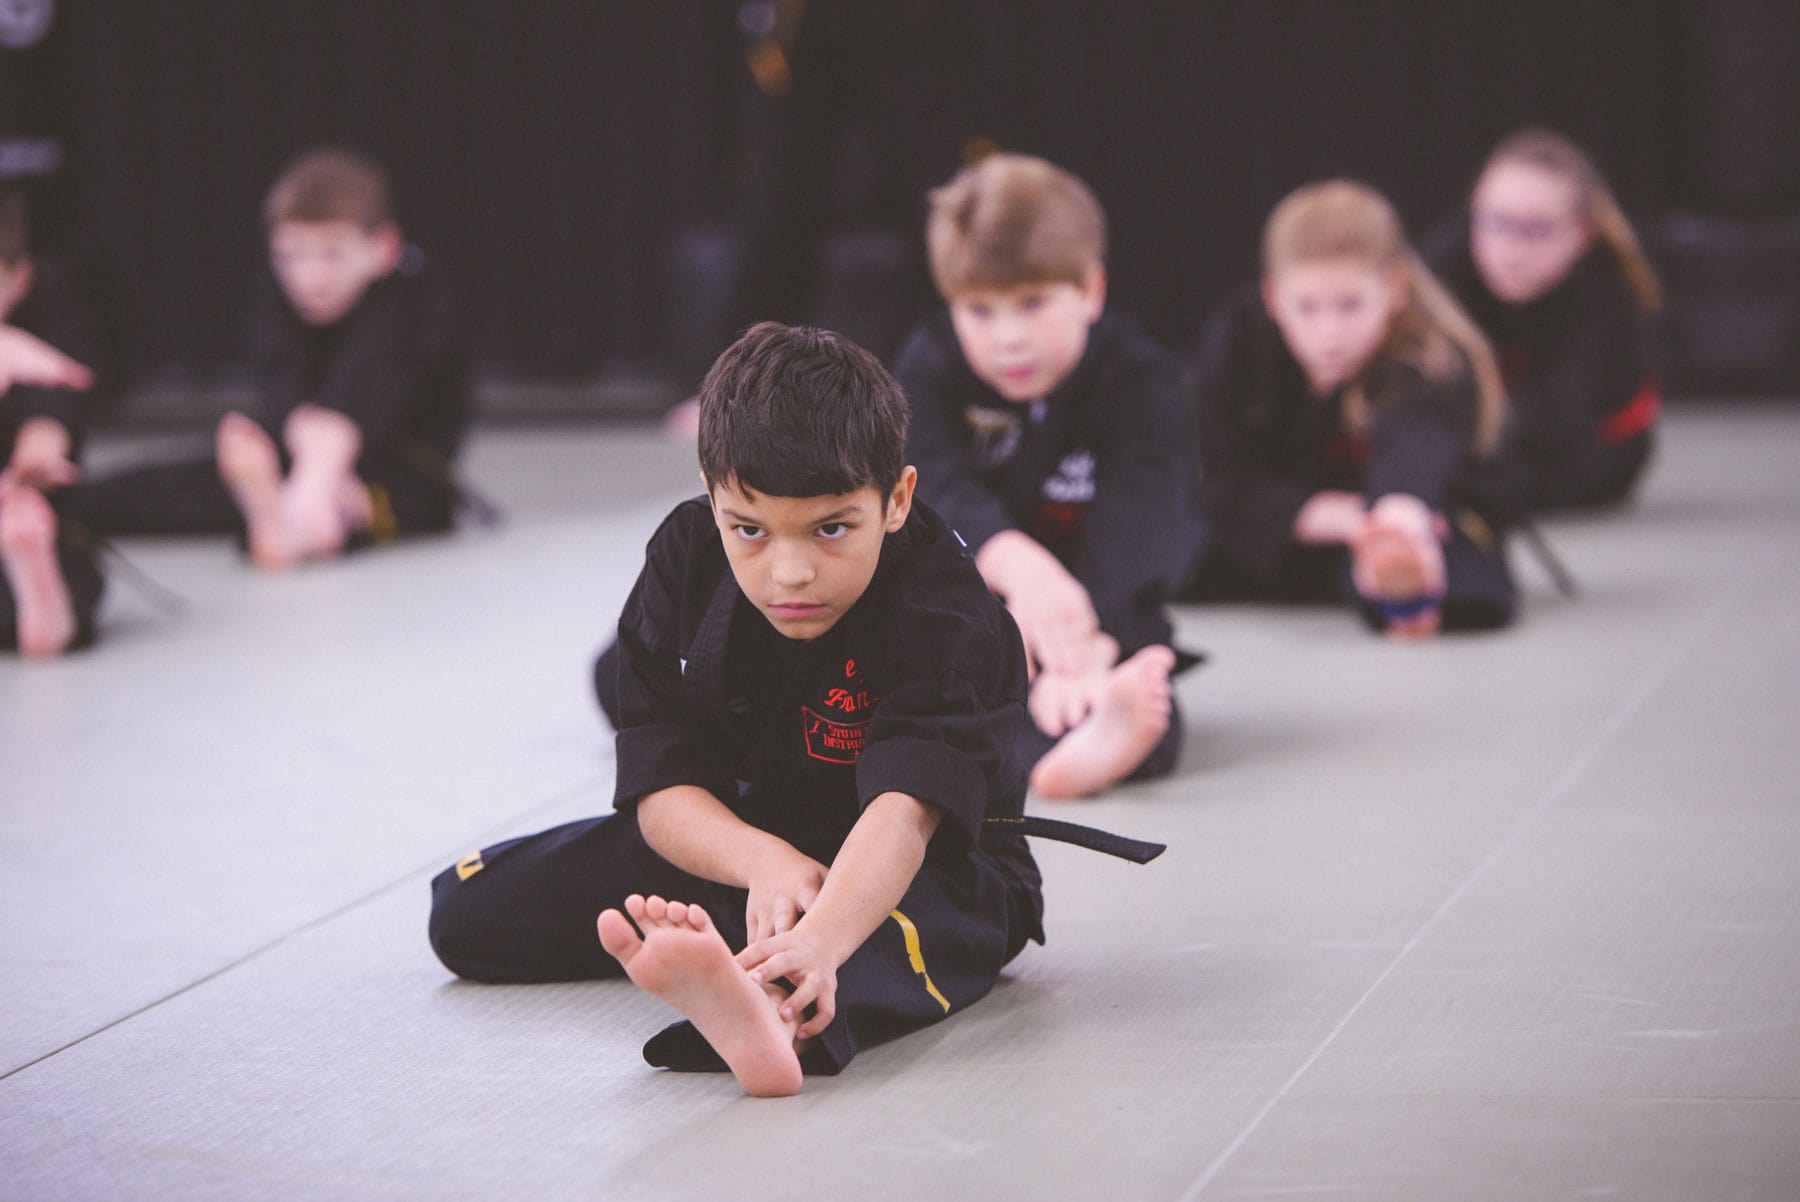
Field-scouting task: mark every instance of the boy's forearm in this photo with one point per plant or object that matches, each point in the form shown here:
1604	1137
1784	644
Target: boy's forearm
871	872
1009	560
696	832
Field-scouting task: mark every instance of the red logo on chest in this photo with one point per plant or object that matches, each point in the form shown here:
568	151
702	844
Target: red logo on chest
833	742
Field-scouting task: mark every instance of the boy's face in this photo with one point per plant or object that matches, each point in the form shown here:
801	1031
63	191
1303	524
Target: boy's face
1334	315
1024	341
326	266
804	561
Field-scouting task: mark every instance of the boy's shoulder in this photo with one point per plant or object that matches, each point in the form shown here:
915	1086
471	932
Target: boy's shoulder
940	612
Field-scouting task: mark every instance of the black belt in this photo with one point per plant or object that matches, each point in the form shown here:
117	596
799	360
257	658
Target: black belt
1136	850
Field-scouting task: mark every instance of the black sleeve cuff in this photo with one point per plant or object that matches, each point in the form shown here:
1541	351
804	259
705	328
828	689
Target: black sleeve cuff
930	771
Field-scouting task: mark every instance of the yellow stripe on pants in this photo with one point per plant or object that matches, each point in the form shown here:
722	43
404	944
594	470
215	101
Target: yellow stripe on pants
910	933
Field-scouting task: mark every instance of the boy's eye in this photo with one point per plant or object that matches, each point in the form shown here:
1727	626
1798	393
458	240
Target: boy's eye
1032	302
834	530
750	534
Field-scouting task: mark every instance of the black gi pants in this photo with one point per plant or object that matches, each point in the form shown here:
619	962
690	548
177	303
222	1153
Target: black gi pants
188	497
523	911
1478	588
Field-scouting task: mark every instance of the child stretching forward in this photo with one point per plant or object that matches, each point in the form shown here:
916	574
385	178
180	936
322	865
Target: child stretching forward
1055	438
819	710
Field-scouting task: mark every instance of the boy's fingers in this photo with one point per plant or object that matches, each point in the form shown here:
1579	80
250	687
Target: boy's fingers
822	1016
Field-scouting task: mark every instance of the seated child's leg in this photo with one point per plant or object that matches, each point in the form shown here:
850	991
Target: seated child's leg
250	466
523	910
1128	721
939	952
165	498
1478	587
44	615
684	961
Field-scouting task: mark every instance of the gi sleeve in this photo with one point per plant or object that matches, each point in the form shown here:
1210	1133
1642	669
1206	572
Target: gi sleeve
54	313
931	369
948	733
1591	365
1140	537
659	743
375	375
1249	505
1422	432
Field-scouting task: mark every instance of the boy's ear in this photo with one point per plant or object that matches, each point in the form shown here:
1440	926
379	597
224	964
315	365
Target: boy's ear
390	244
1094	292
899	502
15	284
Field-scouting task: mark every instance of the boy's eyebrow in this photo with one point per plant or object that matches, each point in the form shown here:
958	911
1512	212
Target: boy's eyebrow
848	511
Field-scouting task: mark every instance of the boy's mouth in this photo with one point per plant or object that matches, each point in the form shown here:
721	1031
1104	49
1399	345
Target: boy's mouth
795	610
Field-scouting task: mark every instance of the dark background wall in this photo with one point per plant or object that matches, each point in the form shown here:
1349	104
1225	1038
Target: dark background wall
561	155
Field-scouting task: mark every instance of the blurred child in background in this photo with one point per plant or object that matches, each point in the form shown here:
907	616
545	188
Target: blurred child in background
1550	269
50	587
1054	436
362	386
1344	415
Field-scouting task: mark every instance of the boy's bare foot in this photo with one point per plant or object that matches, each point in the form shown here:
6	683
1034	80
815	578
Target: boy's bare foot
1395	567
250	465
1132	714
46	616
683	960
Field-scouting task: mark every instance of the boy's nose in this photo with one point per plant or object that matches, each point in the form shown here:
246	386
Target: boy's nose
792	569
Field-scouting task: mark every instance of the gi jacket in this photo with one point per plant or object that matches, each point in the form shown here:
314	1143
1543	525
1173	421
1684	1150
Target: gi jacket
394	364
1579	364
918	689
1097	471
1268	444
50	311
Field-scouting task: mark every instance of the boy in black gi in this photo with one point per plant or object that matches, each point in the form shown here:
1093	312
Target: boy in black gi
1055	438
360	373
50	587
820	705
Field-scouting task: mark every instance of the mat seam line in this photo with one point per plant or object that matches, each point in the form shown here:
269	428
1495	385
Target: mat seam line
1659	671
378	891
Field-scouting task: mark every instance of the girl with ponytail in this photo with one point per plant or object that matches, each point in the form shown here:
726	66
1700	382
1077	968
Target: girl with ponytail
1345	412
1553	273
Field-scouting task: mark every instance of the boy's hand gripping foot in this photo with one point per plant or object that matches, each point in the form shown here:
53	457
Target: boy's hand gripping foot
1399	567
683	960
250	465
1132	714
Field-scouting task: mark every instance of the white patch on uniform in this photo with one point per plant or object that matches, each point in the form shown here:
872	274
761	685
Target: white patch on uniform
1073	481
994	434
683	665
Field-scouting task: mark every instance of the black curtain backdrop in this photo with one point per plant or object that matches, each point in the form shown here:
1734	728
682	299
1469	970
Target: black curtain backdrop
552	151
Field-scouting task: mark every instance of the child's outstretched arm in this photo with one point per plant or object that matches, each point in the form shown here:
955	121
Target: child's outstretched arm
28	359
693	830
866	881
1055	615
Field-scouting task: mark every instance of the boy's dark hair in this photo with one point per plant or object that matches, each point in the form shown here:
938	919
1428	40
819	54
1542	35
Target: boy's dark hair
15	225
792	411
1012	220
329	184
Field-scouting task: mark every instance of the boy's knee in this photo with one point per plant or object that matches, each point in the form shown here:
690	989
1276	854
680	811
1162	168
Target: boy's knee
455	927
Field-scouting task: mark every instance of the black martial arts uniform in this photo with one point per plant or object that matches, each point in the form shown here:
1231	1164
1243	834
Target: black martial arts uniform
395	365
1580	377
918	689
1267	444
52	312
1097	472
